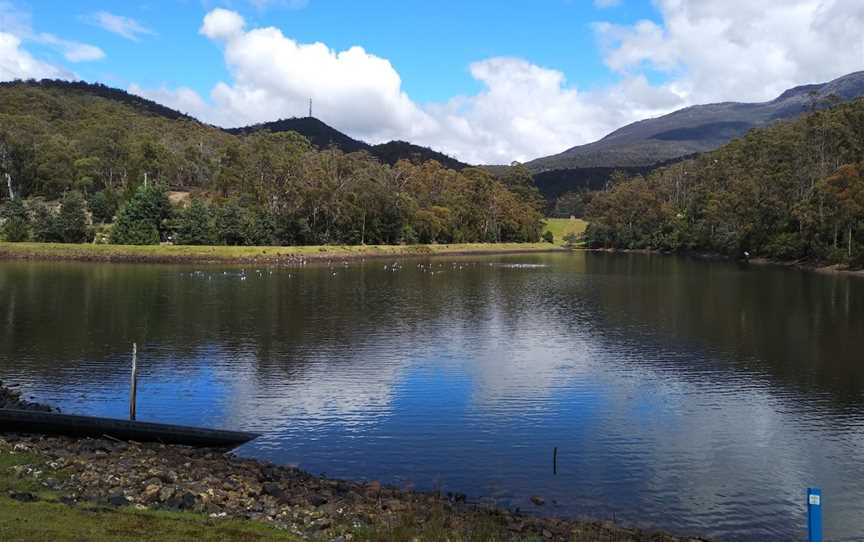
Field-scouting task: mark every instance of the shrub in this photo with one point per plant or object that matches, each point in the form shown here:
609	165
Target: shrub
195	225
548	236
72	219
46	227
16	225
259	228
143	220
103	205
229	224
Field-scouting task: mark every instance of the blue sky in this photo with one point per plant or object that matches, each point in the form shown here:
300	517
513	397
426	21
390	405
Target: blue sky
430	44
483	81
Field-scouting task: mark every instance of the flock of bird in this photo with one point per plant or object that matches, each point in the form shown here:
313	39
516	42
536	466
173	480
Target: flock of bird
430	268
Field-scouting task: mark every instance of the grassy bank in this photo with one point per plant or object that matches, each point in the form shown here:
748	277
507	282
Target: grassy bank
562	227
264	255
30	512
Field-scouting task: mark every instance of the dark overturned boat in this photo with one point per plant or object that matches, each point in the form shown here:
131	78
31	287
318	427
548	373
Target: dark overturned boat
49	423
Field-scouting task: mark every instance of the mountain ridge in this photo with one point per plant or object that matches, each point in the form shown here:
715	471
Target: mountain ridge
697	128
319	133
323	136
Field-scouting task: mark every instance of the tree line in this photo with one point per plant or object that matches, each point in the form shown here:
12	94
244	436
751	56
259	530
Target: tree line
69	153
793	191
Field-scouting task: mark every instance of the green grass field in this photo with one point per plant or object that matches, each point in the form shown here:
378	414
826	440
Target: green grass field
170	253
561	227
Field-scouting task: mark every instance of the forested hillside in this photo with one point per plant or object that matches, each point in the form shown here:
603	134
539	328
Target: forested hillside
112	158
323	137
649	144
793	191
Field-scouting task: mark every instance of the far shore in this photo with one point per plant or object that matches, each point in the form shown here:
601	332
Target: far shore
801	265
290	255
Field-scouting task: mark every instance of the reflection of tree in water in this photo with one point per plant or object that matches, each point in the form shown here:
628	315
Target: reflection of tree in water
792	327
795	327
58	315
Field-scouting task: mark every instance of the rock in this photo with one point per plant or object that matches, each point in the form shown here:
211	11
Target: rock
182	501
547	533
166	493
23	496
457	497
538	501
395	505
317	500
323	524
151	493
118	499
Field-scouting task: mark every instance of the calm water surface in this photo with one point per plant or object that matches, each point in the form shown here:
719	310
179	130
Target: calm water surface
698	397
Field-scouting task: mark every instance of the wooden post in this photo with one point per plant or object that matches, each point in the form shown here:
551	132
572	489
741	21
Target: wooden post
134	391
555	460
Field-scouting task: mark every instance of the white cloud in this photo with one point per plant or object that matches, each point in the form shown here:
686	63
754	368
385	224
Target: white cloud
222	24
710	50
118	24
602	4
17	63
182	99
738	49
73	51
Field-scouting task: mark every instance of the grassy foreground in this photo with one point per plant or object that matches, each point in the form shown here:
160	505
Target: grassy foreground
561	227
49	520
224	254
43	517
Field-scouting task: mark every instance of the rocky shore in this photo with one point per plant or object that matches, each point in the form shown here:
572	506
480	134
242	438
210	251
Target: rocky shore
11	398
219	485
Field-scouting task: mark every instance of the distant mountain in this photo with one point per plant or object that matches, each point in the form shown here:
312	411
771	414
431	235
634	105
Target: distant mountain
394	151
697	129
319	134
323	136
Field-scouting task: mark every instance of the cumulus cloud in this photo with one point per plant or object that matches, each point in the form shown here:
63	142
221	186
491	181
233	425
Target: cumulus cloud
118	24
16	63
710	50
222	24
740	50
182	99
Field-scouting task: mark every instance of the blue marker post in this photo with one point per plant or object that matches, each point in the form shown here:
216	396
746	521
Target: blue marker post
814	514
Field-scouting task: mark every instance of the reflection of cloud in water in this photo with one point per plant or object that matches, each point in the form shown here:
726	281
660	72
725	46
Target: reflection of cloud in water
321	392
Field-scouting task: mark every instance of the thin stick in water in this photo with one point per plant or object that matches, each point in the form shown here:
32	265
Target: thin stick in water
134	392
555	460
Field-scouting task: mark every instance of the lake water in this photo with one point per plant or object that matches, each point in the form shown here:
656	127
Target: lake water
698	397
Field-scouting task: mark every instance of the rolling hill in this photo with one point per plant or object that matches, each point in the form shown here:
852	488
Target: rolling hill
697	129
324	136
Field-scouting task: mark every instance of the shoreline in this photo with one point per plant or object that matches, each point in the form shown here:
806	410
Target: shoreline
78	473
291	255
809	266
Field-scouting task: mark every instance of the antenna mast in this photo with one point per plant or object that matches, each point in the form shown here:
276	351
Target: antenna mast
310	108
